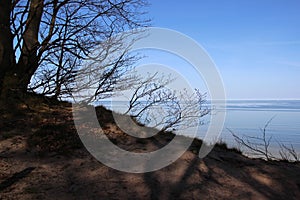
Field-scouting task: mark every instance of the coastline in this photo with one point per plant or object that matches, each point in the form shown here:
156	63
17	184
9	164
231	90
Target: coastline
45	139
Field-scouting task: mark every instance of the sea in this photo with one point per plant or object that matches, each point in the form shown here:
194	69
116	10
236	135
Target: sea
248	118
278	119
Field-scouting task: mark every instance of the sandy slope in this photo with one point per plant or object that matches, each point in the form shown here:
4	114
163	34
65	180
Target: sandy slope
41	157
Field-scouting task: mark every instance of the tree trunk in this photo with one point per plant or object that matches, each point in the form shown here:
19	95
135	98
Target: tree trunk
17	76
7	57
28	62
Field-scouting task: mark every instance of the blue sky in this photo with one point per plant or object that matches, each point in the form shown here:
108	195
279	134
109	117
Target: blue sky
254	43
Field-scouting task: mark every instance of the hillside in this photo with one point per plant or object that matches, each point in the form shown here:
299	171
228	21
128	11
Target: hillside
41	157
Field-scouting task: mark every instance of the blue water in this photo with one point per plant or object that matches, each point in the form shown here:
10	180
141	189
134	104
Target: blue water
248	117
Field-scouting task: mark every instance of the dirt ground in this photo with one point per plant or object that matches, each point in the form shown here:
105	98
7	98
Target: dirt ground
41	157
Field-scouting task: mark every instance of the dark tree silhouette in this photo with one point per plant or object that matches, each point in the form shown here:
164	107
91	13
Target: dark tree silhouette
44	42
154	104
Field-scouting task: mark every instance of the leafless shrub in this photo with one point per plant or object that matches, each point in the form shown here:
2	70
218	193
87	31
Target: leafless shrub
288	153
258	146
154	104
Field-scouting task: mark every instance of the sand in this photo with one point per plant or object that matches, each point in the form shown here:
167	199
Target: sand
41	157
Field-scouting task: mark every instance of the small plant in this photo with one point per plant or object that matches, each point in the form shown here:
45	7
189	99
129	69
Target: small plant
259	146
224	145
288	153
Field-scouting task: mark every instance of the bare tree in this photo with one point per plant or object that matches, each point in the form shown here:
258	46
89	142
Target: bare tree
258	146
153	103
48	40
145	90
